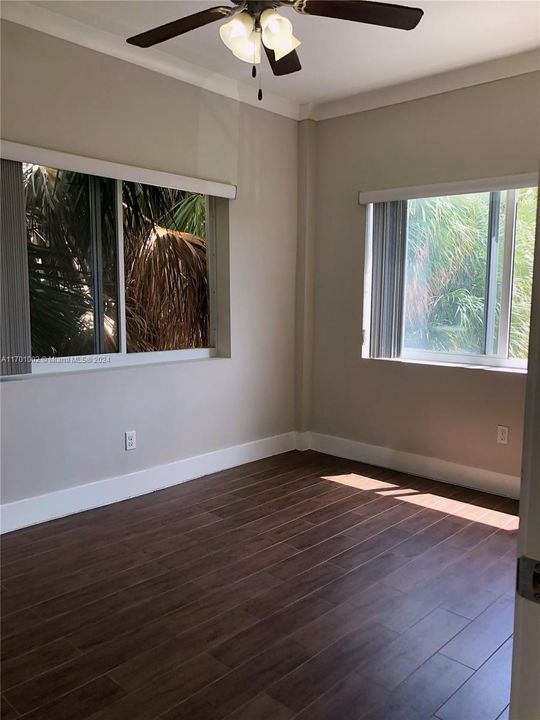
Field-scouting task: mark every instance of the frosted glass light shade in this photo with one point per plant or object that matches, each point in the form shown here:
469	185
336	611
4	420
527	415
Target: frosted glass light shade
286	47
237	29
275	27
248	49
277	33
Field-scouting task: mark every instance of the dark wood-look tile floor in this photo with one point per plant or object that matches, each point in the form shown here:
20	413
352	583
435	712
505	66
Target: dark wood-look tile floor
300	586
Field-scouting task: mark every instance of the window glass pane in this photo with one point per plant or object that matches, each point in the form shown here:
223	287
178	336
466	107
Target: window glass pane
70	225
523	272
447	244
167	304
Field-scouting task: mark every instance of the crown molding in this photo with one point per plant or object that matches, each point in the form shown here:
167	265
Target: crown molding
458	79
38	18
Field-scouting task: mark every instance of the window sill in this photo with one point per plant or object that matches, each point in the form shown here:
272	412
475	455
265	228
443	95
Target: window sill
462	365
114	361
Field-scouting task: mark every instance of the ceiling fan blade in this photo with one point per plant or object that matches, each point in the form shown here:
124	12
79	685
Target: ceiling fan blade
179	27
288	64
373	13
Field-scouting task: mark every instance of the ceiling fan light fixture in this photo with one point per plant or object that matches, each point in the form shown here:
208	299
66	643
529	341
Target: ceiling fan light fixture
274	23
254	23
237	30
277	33
248	49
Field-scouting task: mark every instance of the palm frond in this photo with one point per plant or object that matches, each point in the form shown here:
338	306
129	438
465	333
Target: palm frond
166	269
166	292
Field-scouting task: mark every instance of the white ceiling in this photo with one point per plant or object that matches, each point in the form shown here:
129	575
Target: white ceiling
339	58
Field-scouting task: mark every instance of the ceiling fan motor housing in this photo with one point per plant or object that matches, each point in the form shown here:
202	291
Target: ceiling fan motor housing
256	7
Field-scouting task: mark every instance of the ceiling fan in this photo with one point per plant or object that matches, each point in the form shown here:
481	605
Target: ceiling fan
256	23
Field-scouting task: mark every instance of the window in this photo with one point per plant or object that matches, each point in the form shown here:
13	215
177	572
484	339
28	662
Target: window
451	277
73	265
116	269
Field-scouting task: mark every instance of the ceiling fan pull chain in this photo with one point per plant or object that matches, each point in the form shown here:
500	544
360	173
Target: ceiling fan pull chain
254	71
260	93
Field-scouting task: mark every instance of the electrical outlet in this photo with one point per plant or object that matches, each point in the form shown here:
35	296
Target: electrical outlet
131	439
502	435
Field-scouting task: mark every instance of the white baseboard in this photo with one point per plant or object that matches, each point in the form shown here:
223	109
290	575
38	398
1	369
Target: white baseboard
429	467
41	508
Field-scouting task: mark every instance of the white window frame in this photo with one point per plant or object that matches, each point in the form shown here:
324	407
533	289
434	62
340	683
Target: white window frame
120	173
506	183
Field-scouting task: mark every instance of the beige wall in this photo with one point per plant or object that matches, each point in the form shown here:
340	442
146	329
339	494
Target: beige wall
447	413
68	430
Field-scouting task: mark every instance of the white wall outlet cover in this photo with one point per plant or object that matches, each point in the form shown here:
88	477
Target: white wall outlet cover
502	434
131	439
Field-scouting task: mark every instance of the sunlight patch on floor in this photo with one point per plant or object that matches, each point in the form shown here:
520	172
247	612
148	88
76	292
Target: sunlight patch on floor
467	511
397	493
429	501
361	482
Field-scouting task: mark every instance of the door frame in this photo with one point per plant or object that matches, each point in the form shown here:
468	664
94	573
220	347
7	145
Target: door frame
525	690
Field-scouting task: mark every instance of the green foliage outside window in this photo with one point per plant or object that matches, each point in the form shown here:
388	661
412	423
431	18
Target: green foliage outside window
523	272
166	278
446	272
